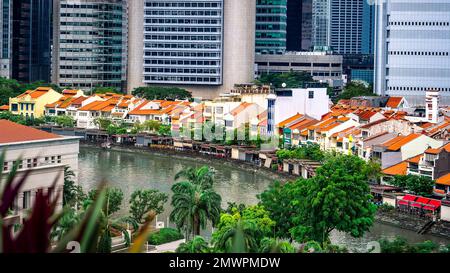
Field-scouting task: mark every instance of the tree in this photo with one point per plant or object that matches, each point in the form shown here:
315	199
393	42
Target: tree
144	201
162	93
164	130
292	79
416	184
198	245
114	198
271	245
103	90
8	89
338	197
66	223
34	85
254	223
73	195
194	201
64	121
356	89
151	125
102	123
279	200
401	245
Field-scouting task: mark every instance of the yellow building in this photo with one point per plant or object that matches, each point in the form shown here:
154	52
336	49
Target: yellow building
32	102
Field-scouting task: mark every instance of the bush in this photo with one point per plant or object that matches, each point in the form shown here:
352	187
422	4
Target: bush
164	236
386	208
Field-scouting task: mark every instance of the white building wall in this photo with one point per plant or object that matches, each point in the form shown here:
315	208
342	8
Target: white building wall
413	49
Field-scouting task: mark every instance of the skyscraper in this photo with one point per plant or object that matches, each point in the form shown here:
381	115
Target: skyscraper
90	43
368	28
26	39
299	25
413	49
321	23
5	34
204	46
346	24
271	26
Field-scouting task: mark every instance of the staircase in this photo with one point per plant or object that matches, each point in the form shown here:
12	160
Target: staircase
426	227
119	245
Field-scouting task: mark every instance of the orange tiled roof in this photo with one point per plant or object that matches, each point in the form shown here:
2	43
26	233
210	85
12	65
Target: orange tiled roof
415	159
303	124
240	108
4	108
342	132
444	180
398	142
439	150
290	120
399	169
394	102
34	94
13	132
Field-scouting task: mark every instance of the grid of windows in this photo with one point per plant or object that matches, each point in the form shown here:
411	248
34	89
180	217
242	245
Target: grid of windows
92	44
346	26
271	26
183	42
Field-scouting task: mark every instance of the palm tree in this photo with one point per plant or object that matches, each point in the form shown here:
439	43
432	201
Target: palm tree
198	245
195	201
238	238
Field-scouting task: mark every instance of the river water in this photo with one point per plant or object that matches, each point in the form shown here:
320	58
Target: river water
131	171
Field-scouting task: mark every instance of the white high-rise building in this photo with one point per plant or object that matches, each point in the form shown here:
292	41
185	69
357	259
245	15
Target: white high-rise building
413	49
204	46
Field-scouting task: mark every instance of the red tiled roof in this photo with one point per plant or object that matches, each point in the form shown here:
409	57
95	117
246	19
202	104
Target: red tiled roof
398	142
290	120
444	180
415	159
13	132
439	150
394	102
240	108
399	169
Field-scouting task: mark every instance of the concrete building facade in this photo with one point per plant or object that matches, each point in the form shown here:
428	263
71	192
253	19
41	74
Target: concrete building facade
413	49
45	154
322	66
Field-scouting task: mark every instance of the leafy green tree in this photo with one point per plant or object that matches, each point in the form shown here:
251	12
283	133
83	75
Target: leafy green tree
419	185
73	194
151	125
64	121
198	245
194	201
164	130
279	200
271	245
308	151
104	90
114	198
292	79
162	93
34	85
356	89
102	123
337	198
68	221
254	222
8	89
401	245
144	201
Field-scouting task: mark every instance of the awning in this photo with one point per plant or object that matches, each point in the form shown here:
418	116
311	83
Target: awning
420	202
407	199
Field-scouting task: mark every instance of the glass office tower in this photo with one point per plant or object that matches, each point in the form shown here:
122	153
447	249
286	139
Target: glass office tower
271	26
90	45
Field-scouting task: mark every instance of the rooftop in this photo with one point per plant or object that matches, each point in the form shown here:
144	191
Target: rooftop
13	133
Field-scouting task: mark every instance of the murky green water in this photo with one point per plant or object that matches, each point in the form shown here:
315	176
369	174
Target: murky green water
132	171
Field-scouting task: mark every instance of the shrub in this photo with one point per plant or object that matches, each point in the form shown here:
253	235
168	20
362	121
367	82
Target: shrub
164	236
